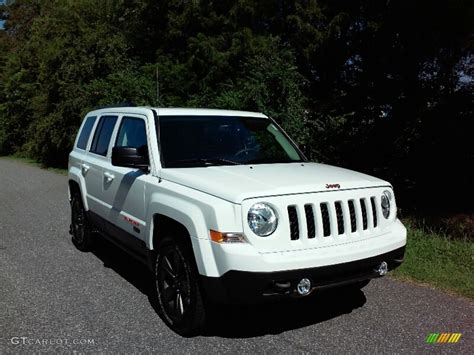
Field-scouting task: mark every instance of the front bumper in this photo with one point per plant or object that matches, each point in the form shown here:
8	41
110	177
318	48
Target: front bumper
217	259
247	287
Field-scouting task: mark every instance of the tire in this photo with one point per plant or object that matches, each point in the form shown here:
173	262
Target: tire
80	227
180	302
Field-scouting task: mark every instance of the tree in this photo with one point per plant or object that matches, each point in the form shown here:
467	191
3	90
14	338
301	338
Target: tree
381	87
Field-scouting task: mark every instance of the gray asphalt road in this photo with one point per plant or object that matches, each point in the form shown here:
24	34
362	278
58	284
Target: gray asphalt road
55	298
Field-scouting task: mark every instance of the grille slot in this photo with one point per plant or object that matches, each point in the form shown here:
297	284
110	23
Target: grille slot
308	210
294	227
325	217
363	208
331	218
353	216
374	210
340	217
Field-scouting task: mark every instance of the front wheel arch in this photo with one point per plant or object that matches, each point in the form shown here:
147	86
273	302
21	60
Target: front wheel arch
163	226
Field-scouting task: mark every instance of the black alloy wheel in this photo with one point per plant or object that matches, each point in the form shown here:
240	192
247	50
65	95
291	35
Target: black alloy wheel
179	296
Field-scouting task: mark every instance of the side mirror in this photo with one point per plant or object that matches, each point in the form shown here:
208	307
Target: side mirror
130	157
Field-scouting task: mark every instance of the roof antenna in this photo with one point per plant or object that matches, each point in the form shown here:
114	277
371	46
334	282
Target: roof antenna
157	86
157	110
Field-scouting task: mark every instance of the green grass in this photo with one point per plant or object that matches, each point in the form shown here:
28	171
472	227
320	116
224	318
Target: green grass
439	261
34	163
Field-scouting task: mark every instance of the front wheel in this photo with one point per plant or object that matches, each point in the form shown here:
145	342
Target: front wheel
180	301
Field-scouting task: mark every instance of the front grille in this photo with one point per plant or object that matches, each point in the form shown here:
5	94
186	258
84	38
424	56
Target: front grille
294	227
326	223
353	216
340	218
363	208
308	210
374	211
321	216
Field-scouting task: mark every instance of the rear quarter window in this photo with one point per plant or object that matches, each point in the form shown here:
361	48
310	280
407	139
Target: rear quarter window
85	132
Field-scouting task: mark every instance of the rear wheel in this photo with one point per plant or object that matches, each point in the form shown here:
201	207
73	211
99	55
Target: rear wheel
180	301
80	228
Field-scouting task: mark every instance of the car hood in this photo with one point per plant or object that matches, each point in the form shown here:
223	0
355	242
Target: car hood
236	183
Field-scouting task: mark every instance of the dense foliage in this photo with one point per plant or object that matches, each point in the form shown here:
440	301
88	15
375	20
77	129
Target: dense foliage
384	87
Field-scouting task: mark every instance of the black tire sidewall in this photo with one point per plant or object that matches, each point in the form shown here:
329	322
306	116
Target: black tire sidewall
192	321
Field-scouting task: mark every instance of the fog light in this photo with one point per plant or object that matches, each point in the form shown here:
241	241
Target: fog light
382	269
303	287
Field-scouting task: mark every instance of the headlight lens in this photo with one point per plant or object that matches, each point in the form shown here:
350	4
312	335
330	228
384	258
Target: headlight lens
262	219
385	203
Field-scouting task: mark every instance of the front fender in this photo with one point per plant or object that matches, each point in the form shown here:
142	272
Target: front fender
198	213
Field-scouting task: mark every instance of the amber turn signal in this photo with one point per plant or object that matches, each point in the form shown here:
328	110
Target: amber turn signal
220	237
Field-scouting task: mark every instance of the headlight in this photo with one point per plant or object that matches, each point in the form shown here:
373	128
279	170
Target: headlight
262	219
385	203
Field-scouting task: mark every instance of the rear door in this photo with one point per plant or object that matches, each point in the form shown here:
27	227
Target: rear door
76	158
93	167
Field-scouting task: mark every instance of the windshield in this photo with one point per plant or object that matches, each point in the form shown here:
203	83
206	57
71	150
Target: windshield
192	141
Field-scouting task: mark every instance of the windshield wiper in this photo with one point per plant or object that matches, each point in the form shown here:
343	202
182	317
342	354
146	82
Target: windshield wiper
206	162
271	161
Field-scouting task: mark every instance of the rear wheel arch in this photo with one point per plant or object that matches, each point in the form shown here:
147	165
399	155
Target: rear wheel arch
76	185
73	188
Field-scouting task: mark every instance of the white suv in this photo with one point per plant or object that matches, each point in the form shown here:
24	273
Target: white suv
222	206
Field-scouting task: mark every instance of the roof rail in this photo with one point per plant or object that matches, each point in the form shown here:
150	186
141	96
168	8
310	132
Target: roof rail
122	104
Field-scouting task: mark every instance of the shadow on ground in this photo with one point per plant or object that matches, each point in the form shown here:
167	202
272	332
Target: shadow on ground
241	321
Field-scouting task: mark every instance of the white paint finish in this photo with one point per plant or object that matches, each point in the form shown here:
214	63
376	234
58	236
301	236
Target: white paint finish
197	211
239	182
244	257
124	195
205	112
93	177
280	239
218	197
175	111
75	174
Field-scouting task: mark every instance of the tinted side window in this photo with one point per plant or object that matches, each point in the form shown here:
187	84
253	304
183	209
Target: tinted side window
86	132
132	133
102	135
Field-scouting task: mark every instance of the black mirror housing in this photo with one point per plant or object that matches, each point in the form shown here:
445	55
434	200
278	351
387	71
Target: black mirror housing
130	157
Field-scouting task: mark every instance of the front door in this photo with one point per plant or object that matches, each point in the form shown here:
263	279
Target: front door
124	188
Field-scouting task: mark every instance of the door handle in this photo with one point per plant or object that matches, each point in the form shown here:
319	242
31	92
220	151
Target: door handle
108	177
85	168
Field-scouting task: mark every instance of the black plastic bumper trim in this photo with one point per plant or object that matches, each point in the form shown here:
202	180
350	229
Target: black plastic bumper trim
249	287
